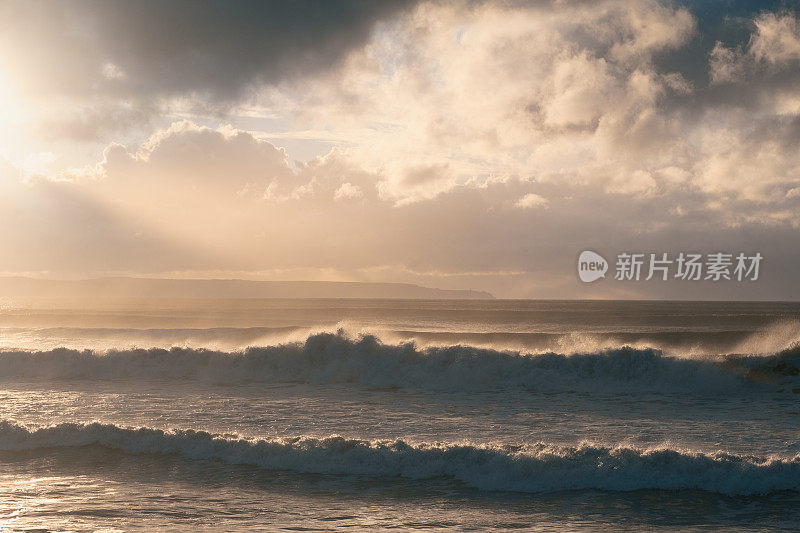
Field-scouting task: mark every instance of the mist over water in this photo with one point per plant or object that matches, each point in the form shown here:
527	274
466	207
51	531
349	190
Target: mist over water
442	407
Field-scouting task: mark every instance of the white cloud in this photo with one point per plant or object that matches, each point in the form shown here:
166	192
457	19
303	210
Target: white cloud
726	65
444	122
775	43
482	87
531	200
776	39
493	234
348	191
639	183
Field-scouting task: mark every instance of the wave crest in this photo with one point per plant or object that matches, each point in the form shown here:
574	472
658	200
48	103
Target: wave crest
528	468
328	358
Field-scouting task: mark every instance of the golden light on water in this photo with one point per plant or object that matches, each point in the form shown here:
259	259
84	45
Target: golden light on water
423	264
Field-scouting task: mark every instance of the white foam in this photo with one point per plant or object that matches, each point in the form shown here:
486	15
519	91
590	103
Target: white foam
533	468
336	358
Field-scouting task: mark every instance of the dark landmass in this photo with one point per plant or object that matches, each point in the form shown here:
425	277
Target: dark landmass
124	287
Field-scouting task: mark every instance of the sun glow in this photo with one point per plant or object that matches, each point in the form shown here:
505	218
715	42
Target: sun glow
7	92
9	103
15	118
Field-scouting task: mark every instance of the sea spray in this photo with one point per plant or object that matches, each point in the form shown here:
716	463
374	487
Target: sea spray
329	358
523	468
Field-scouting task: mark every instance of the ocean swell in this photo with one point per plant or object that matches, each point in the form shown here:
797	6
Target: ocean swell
328	358
528	468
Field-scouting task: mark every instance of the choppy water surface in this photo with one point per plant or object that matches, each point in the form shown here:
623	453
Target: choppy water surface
229	414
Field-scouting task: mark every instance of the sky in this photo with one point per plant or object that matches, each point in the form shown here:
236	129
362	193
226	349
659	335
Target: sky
454	144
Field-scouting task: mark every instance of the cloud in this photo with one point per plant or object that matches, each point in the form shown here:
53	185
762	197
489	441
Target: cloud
578	92
348	191
497	88
481	143
166	206
725	65
531	200
154	49
93	68
199	158
91	122
774	46
776	39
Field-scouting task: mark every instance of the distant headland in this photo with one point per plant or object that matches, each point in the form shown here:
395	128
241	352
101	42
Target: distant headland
130	287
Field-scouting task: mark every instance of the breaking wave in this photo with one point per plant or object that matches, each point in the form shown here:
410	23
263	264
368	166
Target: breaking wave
328	358
523	468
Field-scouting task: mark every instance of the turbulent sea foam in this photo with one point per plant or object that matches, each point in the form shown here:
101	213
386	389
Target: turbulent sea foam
330	358
522	468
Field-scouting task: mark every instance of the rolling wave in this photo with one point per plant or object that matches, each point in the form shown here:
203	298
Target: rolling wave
522	468
328	358
696	341
236	338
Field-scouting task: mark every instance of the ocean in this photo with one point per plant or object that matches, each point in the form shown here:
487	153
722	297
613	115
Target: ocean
314	415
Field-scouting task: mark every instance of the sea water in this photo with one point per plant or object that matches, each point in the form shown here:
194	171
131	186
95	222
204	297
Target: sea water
402	414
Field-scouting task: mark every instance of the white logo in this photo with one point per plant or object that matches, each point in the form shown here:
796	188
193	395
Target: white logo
591	266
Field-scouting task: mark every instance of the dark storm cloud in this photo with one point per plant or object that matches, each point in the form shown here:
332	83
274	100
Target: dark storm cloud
151	48
495	140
